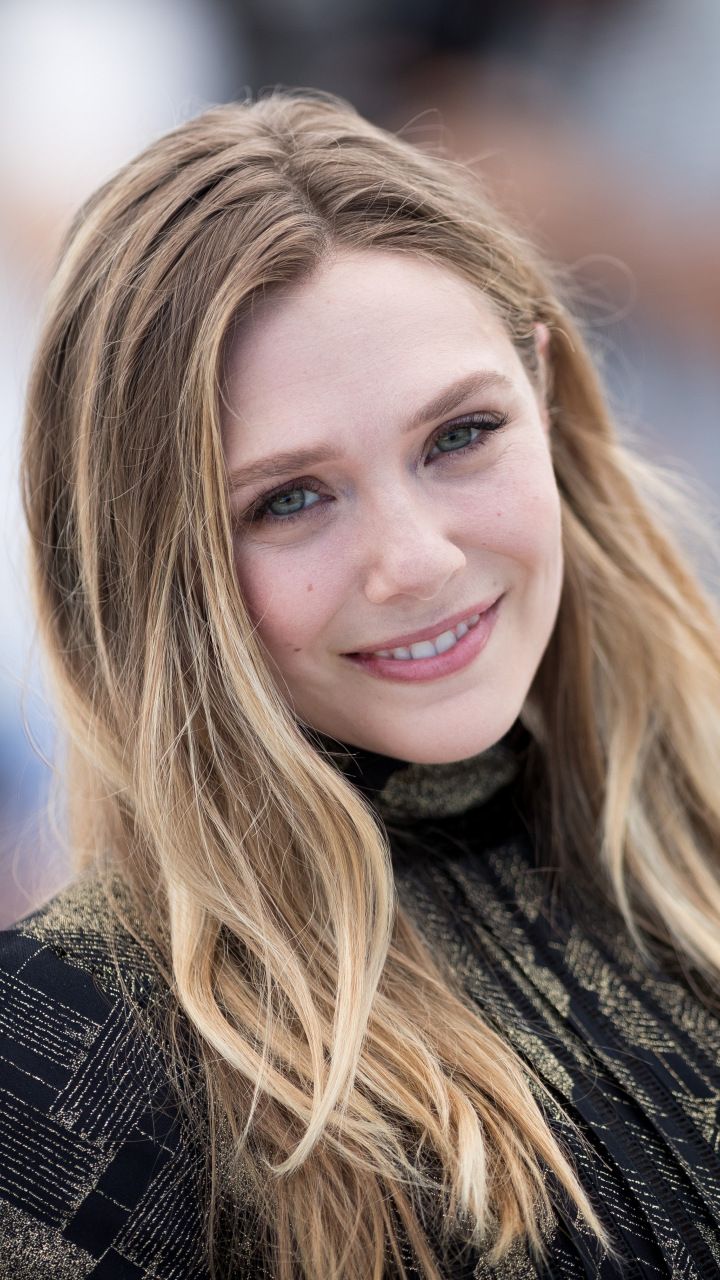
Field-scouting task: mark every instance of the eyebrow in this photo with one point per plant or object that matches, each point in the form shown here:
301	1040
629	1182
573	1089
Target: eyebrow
440	405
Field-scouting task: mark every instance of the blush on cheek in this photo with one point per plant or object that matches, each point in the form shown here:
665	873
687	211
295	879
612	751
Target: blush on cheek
534	504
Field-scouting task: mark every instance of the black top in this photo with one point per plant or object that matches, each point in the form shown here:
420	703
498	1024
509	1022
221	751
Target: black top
100	1175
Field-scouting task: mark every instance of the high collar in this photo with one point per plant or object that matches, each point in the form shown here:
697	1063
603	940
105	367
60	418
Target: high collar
406	791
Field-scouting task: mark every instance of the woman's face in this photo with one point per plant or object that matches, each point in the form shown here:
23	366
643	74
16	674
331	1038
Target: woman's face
426	495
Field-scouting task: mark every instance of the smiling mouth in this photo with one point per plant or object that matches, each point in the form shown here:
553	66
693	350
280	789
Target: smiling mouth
433	657
430	643
431	648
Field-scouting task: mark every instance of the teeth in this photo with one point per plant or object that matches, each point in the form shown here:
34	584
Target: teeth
446	641
432	648
423	649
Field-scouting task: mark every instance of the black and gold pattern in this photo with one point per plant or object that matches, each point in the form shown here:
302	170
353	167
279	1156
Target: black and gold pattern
100	1174
97	1176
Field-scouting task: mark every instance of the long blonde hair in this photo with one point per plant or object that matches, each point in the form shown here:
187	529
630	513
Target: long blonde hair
333	1045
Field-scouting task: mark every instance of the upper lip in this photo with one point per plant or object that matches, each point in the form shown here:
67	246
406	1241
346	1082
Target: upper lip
427	633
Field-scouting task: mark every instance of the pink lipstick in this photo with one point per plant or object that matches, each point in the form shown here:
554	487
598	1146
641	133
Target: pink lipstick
434	667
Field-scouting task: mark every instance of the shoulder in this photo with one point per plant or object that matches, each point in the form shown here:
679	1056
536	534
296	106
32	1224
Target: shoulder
75	943
94	1154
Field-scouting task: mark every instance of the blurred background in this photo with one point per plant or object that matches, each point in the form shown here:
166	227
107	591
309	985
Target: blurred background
594	122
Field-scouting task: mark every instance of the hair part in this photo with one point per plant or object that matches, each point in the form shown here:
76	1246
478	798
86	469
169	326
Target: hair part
336	1050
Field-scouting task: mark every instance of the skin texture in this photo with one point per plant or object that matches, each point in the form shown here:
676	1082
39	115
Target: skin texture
400	535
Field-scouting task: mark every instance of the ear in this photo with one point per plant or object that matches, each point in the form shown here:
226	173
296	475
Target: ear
542	339
542	346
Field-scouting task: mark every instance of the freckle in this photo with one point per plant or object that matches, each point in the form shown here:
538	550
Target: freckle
309	586
297	650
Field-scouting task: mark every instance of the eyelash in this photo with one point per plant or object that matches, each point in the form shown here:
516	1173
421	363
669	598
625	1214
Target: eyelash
485	424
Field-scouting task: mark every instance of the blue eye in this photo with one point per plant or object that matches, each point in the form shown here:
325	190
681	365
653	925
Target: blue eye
459	433
290	503
460	437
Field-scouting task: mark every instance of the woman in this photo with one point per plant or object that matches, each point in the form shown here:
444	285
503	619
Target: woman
391	764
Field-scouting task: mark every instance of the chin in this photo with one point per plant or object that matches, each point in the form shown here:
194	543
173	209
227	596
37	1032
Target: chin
458	742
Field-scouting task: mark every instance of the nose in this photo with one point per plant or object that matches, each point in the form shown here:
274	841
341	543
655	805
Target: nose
409	553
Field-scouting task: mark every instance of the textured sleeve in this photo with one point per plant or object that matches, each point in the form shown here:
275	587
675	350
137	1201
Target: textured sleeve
97	1178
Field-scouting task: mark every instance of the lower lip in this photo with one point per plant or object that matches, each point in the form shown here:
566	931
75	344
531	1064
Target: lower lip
442	664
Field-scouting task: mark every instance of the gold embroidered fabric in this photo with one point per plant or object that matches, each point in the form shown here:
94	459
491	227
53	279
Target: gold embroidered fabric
630	1055
403	791
442	790
101	1175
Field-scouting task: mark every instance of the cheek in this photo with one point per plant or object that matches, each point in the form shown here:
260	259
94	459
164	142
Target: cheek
290	597
536	528
518	516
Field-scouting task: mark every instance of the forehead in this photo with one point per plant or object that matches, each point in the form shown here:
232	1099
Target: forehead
366	325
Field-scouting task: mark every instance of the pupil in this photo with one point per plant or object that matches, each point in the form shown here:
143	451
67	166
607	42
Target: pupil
290	501
452	435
